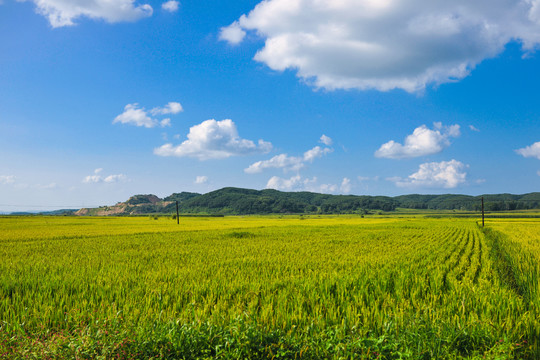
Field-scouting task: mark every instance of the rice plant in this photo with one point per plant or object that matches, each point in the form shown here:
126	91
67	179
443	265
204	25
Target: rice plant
266	287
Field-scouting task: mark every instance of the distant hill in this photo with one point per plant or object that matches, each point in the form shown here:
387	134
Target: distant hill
237	201
53	212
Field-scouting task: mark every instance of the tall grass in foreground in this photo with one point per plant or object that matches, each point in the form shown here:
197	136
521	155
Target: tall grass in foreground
256	288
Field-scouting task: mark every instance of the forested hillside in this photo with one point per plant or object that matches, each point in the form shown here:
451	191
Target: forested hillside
237	201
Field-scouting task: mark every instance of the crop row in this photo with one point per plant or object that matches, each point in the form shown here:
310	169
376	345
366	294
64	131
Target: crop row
423	287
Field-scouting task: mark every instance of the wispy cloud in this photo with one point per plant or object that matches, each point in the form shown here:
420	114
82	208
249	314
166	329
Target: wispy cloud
96	177
171	108
7	179
367	178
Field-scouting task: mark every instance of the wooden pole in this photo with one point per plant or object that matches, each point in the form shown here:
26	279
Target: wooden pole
177	215
482	211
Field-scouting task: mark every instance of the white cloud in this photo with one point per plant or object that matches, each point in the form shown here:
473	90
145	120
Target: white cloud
171	108
92	179
386	44
138	116
7	179
538	172
530	151
165	122
324	188
345	186
115	178
297	183
445	174
201	179
170	6
473	128
421	142
65	12
233	33
97	178
316	152
326	140
133	115
213	140
284	184
287	163
282	161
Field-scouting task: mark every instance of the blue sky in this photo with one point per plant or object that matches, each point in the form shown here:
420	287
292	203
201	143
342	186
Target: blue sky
101	100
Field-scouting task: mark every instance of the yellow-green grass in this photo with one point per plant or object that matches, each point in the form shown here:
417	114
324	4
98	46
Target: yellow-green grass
264	287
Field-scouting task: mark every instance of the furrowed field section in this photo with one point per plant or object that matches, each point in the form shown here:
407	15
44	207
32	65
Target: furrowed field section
255	287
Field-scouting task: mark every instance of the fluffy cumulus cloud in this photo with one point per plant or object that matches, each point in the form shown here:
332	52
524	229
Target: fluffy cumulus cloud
444	174
288	163
138	116
7	179
385	44
423	141
97	177
65	12
298	183
278	183
170	6
233	33
530	151
201	179
213	140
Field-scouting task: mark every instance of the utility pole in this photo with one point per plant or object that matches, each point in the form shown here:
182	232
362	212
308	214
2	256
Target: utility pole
178	216
482	211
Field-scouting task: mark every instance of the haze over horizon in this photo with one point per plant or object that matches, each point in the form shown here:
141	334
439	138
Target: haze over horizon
101	100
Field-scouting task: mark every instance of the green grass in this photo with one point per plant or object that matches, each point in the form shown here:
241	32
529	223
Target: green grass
337	287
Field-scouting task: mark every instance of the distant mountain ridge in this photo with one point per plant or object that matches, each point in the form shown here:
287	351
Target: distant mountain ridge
238	201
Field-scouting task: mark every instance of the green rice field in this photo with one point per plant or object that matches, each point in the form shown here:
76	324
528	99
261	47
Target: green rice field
342	287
